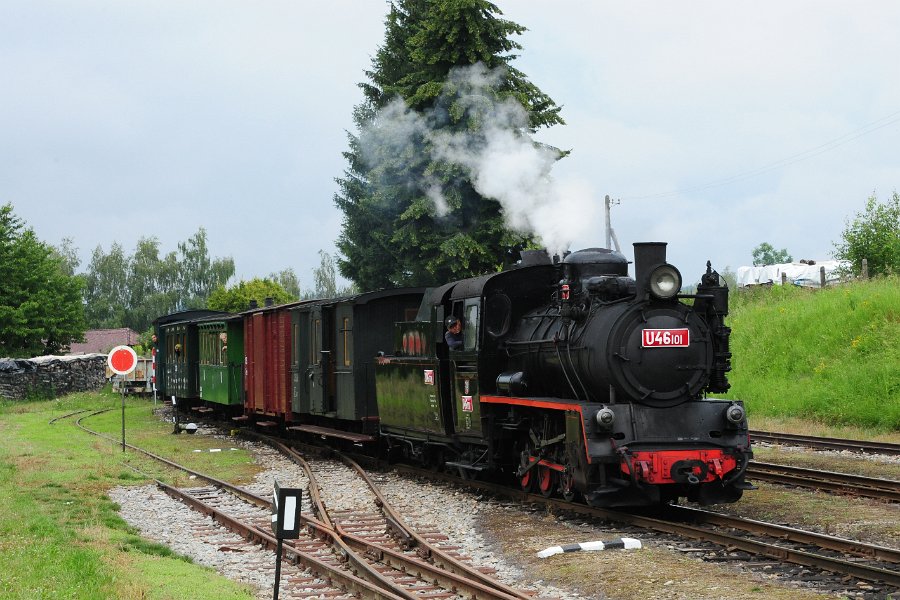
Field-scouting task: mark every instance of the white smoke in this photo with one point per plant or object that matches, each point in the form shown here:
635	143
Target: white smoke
436	195
504	163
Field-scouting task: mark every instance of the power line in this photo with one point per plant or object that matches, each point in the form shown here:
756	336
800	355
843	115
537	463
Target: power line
784	162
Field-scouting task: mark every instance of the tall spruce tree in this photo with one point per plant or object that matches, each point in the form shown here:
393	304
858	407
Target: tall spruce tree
412	215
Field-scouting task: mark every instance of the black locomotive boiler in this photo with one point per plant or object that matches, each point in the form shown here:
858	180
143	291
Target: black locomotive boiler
573	378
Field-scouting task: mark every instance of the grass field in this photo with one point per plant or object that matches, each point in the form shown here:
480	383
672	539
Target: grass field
827	356
61	536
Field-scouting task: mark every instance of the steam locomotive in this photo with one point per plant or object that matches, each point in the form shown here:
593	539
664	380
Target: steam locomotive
573	378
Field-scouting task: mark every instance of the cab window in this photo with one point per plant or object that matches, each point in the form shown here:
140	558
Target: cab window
470	327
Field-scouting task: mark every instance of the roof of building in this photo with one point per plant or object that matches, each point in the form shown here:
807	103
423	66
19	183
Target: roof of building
104	340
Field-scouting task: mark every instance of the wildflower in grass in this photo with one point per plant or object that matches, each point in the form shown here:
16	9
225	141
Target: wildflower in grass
854	342
820	368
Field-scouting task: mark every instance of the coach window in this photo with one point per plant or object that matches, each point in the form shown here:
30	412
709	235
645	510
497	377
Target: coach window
222	354
205	348
470	327
314	340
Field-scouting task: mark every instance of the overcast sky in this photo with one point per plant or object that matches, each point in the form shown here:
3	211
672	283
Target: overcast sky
719	125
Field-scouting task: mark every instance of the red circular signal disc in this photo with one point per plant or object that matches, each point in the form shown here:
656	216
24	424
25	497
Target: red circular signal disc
122	360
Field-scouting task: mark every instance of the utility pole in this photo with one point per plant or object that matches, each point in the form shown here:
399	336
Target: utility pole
610	232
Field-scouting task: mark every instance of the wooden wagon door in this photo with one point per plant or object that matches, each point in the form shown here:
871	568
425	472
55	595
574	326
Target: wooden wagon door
257	366
315	370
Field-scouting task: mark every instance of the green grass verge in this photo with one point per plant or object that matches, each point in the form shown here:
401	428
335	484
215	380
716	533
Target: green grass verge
60	534
831	355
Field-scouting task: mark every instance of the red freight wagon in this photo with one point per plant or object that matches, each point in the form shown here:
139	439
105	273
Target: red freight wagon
267	361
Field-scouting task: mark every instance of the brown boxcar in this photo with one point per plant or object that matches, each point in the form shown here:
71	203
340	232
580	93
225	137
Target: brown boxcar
267	362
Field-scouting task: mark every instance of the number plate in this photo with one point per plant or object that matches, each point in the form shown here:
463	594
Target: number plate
666	338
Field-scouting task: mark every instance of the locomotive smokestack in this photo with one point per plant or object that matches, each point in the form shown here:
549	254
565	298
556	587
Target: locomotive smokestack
646	256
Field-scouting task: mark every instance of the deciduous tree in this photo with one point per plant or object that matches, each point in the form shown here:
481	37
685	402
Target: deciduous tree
131	290
237	297
68	255
287	278
40	302
874	235
198	274
325	280
151	283
106	288
766	254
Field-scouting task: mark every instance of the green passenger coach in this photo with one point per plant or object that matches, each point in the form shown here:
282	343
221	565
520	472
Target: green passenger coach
178	353
221	342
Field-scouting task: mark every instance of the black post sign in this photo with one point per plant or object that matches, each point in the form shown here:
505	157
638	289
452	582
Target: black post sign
285	522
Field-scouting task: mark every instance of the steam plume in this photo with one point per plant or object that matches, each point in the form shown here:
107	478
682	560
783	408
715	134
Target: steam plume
502	160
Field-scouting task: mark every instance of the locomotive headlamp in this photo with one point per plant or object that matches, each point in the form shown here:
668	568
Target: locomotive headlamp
735	413
605	417
665	281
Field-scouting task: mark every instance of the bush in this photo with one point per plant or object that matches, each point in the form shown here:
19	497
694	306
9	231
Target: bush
873	235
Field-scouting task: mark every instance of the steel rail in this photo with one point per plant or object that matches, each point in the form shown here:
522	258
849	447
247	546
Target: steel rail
845	483
321	528
782	553
339	537
449	572
799	557
60	417
349	545
866	447
800	536
343	578
426	549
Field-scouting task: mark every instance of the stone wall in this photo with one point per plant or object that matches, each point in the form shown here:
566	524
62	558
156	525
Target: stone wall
51	376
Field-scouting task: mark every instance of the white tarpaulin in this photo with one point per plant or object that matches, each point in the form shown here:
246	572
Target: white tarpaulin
796	273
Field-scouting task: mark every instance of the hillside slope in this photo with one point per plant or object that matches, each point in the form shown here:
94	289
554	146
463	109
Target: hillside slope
829	355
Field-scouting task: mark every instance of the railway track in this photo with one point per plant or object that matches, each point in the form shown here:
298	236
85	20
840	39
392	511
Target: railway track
842	483
830	554
823	443
847	558
368	553
364	533
385	529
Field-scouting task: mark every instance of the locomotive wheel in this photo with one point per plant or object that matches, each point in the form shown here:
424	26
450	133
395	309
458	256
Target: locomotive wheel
527	480
546	480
